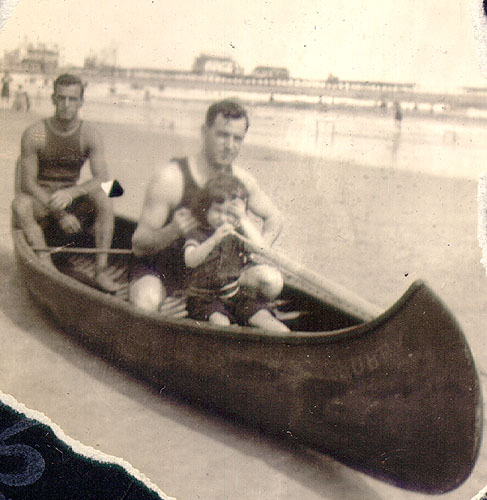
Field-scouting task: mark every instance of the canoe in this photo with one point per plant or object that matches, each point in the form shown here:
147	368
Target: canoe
396	397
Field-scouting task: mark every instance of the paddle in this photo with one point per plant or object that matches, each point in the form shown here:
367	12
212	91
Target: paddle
331	292
85	250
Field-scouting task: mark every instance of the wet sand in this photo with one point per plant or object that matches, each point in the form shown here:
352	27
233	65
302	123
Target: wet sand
373	230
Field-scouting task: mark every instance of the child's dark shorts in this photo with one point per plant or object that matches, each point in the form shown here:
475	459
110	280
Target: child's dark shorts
239	308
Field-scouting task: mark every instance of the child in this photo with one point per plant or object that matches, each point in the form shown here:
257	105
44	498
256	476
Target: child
215	257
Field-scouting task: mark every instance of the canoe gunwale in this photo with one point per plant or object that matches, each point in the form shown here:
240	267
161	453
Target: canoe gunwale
232	332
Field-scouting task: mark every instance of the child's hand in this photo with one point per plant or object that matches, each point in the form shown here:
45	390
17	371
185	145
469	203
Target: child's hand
237	208
223	231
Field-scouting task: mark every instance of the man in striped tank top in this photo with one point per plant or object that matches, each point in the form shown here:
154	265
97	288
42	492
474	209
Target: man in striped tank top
53	151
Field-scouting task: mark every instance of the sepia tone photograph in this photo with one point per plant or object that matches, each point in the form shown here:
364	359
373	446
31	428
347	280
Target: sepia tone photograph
335	154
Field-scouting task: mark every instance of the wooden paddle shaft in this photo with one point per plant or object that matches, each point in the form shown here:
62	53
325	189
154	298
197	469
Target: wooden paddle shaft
332	292
84	250
336	294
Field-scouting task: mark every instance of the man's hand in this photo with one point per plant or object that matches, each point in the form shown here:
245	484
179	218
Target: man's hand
184	221
238	208
61	199
70	224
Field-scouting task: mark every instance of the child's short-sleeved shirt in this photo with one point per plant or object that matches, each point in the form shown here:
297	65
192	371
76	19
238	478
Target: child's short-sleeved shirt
222	266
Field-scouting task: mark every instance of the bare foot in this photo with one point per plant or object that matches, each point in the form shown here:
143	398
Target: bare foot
105	282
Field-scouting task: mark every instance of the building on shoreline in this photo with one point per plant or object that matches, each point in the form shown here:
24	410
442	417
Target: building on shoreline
30	58
207	64
270	72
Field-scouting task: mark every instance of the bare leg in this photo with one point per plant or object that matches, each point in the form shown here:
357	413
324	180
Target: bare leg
103	238
265	320
147	292
217	318
264	279
26	213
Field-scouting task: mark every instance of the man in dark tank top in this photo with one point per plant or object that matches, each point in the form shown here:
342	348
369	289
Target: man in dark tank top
53	151
166	214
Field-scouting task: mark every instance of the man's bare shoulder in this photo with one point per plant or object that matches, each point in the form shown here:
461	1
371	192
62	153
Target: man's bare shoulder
259	202
34	135
90	134
37	129
168	172
167	182
245	177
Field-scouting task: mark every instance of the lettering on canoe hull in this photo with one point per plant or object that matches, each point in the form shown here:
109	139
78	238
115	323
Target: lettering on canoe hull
362	381
354	367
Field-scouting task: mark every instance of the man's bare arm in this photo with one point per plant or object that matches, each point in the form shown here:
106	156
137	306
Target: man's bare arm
262	206
165	191
253	235
32	141
91	140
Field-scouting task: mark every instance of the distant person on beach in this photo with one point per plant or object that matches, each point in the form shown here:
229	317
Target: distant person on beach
397	114
6	80
53	152
166	217
396	137
21	100
215	257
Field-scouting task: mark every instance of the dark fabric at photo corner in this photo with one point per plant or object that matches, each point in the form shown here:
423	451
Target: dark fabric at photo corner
35	464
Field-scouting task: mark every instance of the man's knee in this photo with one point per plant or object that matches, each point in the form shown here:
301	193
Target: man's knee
147	293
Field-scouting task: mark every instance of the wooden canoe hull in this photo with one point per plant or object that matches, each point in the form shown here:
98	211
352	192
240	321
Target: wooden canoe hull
398	397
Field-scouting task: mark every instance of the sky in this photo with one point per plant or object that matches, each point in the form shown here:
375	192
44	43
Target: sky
433	43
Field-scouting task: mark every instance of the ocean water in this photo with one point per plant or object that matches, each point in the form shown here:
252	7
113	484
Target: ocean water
429	143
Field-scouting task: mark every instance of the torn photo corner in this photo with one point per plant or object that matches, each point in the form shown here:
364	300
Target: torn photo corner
6	9
482	217
37	460
112	188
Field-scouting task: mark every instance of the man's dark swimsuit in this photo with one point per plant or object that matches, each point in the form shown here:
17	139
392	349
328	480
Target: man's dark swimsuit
168	265
61	160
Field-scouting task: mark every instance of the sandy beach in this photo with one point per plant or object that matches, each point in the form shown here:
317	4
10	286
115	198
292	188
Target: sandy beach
372	229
